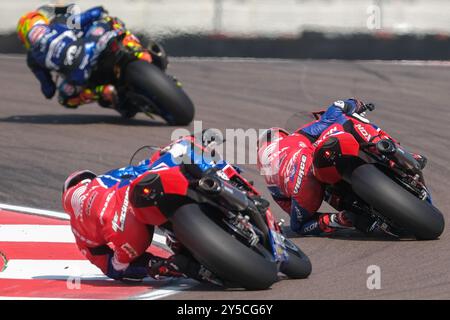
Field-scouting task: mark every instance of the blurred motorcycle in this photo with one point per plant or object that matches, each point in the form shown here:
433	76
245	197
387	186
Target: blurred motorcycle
137	73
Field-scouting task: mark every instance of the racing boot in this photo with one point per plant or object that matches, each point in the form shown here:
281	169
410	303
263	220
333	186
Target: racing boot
331	222
73	102
105	95
180	265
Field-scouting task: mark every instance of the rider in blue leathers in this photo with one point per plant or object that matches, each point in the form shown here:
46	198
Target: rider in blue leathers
71	49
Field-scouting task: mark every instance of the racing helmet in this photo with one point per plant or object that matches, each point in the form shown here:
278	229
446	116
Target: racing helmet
27	22
77	177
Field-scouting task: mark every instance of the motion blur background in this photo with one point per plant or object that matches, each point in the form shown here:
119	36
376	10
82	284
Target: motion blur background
346	29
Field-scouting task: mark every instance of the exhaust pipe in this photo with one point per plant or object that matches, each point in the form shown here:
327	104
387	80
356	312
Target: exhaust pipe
232	197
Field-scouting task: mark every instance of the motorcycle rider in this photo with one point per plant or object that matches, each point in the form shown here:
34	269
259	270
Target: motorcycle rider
112	234
70	47
287	164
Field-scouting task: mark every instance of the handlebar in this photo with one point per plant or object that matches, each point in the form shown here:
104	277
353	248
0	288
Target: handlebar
367	107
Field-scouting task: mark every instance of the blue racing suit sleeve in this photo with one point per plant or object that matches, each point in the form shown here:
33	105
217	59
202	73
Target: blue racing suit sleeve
336	113
44	76
88	17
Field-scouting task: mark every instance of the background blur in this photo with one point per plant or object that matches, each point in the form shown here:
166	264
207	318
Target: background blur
346	29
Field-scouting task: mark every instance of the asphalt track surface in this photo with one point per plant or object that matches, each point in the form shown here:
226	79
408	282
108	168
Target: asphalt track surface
41	143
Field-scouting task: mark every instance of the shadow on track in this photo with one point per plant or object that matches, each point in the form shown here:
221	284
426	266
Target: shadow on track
349	235
79	119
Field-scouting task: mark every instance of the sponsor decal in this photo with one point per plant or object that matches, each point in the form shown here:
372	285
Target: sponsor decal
63	37
36	34
289	167
105	206
104	39
70	55
222	175
129	250
301	174
326	135
160	167
311	227
45	39
98	31
118	222
298	213
340	104
363	131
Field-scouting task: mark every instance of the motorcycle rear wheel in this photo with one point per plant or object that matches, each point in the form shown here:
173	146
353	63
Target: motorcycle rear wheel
224	255
146	79
418	217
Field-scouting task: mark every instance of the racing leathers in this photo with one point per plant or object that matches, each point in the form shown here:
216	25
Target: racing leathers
71	49
110	233
287	164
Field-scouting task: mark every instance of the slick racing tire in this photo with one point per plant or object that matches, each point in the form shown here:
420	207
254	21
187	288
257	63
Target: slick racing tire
418	217
174	105
222	254
298	265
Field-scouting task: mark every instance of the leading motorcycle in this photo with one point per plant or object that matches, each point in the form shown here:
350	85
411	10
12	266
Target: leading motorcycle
381	182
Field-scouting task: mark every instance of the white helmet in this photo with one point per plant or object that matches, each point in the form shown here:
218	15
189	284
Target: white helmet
77	177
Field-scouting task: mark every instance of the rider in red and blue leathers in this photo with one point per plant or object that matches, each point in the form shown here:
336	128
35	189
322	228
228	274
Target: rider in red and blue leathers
286	161
111	233
70	48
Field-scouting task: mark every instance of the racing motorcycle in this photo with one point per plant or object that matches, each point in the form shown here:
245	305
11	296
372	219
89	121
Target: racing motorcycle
138	74
381	183
207	208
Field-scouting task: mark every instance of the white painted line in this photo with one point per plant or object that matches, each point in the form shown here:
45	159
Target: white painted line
420	63
39	212
46	233
444	63
13	56
158	238
51	270
35	298
36	233
172	289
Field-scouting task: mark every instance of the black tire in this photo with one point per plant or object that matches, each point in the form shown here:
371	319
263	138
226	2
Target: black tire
298	265
418	217
228	258
145	78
